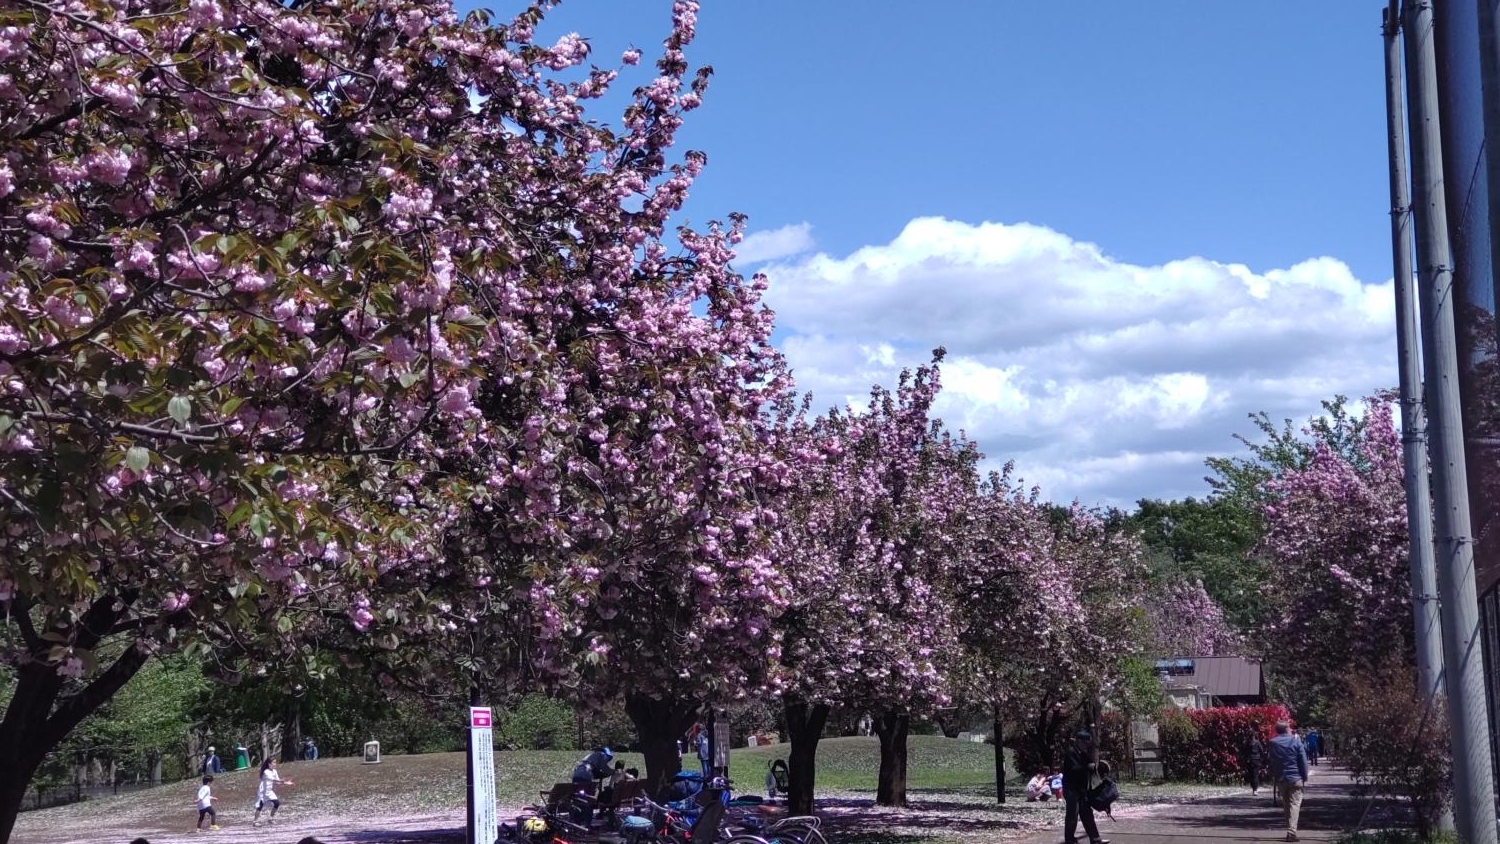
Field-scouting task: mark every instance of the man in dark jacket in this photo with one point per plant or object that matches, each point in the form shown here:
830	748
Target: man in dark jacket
1253	758
1079	762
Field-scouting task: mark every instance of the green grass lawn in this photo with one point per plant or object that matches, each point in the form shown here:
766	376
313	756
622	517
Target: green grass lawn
852	764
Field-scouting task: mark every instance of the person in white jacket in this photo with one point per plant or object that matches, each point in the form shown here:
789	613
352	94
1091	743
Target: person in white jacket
269	779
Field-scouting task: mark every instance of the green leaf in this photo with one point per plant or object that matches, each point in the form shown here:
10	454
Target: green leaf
180	408
259	525
137	458
240	514
284	624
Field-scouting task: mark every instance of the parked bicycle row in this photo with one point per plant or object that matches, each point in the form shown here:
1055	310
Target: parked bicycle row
610	805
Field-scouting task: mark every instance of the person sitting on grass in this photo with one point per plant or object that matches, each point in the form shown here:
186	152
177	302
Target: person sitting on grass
1039	788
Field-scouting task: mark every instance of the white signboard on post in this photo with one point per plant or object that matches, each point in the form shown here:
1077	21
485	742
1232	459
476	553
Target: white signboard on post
721	743
483	824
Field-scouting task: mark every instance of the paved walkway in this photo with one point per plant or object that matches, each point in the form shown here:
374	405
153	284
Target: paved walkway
1329	807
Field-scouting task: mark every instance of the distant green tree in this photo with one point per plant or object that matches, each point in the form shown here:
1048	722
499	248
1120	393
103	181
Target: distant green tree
1138	691
1241	480
150	718
1211	540
538	722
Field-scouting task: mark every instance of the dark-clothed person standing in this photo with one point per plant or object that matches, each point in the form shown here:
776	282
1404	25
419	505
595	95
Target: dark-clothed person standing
1289	769
1078	764
1253	757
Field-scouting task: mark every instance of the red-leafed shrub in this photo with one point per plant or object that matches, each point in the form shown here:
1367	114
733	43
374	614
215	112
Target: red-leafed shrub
1396	741
1205	745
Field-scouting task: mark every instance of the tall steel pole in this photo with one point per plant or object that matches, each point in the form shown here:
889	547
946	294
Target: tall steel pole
1473	780
1424	597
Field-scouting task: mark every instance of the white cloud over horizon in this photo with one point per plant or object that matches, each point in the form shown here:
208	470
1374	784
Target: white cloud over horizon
773	244
1104	381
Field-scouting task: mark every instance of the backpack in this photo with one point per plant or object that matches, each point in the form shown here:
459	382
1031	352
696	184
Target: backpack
1103	796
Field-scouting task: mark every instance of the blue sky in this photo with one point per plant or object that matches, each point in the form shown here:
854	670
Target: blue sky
1247	132
1108	144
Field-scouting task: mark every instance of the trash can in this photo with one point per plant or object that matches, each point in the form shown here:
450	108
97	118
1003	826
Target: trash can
241	758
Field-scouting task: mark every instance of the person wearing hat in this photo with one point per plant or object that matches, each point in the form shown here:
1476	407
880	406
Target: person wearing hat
1078	764
211	764
594	766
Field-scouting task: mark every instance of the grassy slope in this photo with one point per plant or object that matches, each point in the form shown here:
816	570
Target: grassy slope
434	783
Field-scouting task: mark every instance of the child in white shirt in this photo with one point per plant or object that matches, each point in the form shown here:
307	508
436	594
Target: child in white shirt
206	800
267	792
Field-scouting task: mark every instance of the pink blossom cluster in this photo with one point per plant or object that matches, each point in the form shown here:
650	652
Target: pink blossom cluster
1186	621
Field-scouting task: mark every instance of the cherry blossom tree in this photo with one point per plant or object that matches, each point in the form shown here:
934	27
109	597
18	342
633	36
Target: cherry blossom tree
330	323
1011	600
1186	621
1336	538
1097	574
874	522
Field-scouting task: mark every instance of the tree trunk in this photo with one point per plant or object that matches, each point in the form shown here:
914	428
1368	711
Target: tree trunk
999	756
804	726
291	729
658	724
892	728
155	768
38	716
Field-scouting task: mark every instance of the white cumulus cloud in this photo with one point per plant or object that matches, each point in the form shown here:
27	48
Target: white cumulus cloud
1103	380
772	244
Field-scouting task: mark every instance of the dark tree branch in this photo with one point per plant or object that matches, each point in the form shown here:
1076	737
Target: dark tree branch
77	706
224	185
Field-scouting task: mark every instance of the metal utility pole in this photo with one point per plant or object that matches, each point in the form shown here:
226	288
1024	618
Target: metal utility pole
1473	780
1424	598
1413	411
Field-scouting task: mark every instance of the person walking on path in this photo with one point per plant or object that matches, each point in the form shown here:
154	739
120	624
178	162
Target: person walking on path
1289	769
1314	746
1078	766
1253	757
267	791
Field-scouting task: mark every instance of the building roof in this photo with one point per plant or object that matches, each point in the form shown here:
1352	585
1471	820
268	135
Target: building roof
1221	676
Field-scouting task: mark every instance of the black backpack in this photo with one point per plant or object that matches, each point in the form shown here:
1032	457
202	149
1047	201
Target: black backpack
1104	795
